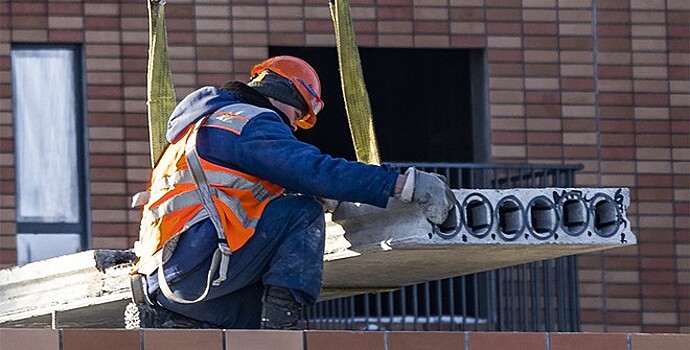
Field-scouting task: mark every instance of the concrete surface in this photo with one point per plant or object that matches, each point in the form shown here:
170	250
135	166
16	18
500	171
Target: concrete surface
367	249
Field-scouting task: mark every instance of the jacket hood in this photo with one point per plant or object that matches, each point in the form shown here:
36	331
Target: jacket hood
195	106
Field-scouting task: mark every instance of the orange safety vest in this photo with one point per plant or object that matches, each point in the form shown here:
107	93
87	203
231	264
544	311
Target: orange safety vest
186	189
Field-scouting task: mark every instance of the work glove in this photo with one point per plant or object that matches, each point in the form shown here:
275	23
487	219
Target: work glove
430	192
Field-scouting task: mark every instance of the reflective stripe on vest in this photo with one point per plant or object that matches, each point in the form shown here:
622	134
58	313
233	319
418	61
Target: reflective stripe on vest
236	199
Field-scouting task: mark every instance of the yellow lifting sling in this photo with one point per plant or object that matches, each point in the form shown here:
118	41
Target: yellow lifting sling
160	91
355	94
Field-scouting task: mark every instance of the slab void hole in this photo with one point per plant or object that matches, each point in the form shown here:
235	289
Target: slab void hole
542	216
605	216
574	215
478	216
510	217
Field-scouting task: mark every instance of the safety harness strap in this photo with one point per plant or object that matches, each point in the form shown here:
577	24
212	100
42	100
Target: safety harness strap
221	257
218	258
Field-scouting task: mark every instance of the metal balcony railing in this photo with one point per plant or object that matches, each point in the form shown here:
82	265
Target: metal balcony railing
538	296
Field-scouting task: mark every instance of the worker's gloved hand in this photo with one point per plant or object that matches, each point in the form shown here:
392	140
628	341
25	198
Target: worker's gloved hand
430	192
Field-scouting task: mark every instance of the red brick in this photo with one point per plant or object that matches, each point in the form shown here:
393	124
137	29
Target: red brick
578	125
431	27
578	341
614	45
498	55
617	140
180	38
540	42
544	151
648	99
577	84
679	73
467	41
660	305
658	277
654	181
652	126
680	126
27	338
85	339
616	112
655	291
504	28
659	329
29	22
506	341
622	264
591	316
541	70
65	9
622	290
623	317
580	152
616	17
503	3
191	339
28	8
425	340
467	14
66	36
110	229
179	11
613	30
343	340
101	23
678	31
619	72
505	70
394	13
263	340
652	140
540	28
543	97
575	43
623	126
502	15
391	2
543	110
508	137
678	45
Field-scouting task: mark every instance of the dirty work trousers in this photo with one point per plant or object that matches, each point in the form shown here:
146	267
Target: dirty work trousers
286	250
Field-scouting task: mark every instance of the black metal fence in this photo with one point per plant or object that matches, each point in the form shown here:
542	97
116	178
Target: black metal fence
538	296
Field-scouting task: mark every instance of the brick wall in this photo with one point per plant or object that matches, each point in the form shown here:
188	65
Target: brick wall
152	339
606	86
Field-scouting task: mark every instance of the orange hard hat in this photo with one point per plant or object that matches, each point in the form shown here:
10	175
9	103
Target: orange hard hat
303	77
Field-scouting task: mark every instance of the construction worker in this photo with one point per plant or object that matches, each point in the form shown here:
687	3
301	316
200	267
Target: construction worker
235	211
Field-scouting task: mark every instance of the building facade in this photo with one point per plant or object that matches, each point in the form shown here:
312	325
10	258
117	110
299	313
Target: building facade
602	83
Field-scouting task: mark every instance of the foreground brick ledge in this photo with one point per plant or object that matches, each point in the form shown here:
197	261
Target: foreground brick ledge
153	339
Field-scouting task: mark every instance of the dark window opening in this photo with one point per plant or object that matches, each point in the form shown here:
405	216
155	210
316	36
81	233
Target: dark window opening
422	100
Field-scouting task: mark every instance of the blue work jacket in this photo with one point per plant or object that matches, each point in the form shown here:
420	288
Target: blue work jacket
266	148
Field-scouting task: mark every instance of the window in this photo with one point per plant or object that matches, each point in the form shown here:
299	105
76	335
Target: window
428	104
49	151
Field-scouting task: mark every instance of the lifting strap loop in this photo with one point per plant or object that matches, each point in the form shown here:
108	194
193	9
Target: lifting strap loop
356	98
160	90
